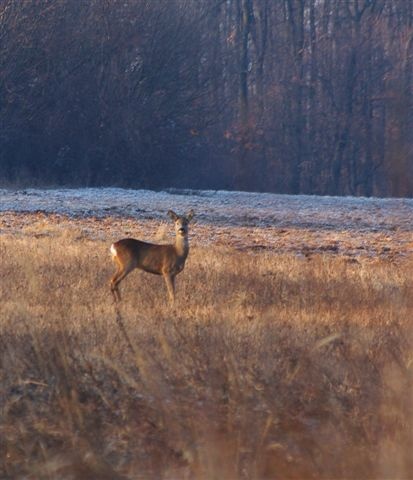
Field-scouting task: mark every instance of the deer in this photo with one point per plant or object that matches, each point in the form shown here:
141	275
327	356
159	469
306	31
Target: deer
165	260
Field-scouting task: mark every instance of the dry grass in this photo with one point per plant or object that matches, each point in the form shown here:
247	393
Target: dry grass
269	366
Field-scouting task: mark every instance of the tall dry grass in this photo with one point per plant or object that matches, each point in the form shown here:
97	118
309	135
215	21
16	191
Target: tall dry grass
268	367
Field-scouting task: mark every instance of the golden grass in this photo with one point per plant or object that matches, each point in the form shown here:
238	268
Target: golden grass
268	367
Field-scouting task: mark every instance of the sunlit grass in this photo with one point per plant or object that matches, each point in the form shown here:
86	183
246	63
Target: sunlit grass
268	366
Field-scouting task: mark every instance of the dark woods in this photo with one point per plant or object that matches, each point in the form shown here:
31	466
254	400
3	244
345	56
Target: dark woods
290	96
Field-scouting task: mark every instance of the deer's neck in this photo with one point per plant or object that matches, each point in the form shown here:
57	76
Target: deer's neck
182	246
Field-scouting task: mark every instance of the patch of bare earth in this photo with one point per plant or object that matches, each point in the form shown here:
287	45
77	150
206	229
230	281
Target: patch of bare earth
288	354
392	243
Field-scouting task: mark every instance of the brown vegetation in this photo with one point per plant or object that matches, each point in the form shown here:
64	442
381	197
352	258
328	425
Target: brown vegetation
269	365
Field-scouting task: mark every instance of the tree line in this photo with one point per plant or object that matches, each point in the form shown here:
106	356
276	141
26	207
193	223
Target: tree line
289	96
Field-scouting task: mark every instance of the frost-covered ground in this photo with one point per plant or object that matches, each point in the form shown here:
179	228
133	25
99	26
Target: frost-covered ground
294	223
229	208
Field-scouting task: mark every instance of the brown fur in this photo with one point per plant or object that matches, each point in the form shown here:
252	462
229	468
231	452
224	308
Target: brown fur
165	260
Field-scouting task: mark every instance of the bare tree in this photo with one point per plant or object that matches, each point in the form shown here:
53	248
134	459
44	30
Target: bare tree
310	96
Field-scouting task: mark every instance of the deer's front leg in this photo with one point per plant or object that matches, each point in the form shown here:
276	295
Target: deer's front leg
170	285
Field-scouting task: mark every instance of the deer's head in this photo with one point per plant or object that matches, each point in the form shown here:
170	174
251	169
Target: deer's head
181	222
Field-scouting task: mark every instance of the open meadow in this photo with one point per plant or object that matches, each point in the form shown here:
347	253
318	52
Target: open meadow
288	360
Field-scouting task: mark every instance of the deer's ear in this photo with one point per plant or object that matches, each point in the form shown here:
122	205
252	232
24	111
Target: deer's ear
190	215
172	215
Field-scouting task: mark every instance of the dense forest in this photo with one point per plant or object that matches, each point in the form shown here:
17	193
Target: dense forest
289	96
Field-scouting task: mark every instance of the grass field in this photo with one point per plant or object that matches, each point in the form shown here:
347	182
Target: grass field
269	366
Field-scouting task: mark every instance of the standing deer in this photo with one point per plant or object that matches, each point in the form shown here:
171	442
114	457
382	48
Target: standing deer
165	260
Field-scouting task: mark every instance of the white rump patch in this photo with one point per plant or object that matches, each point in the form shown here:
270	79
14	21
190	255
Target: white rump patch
113	250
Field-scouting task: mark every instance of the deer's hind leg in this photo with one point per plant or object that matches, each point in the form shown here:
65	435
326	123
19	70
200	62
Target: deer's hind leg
122	272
